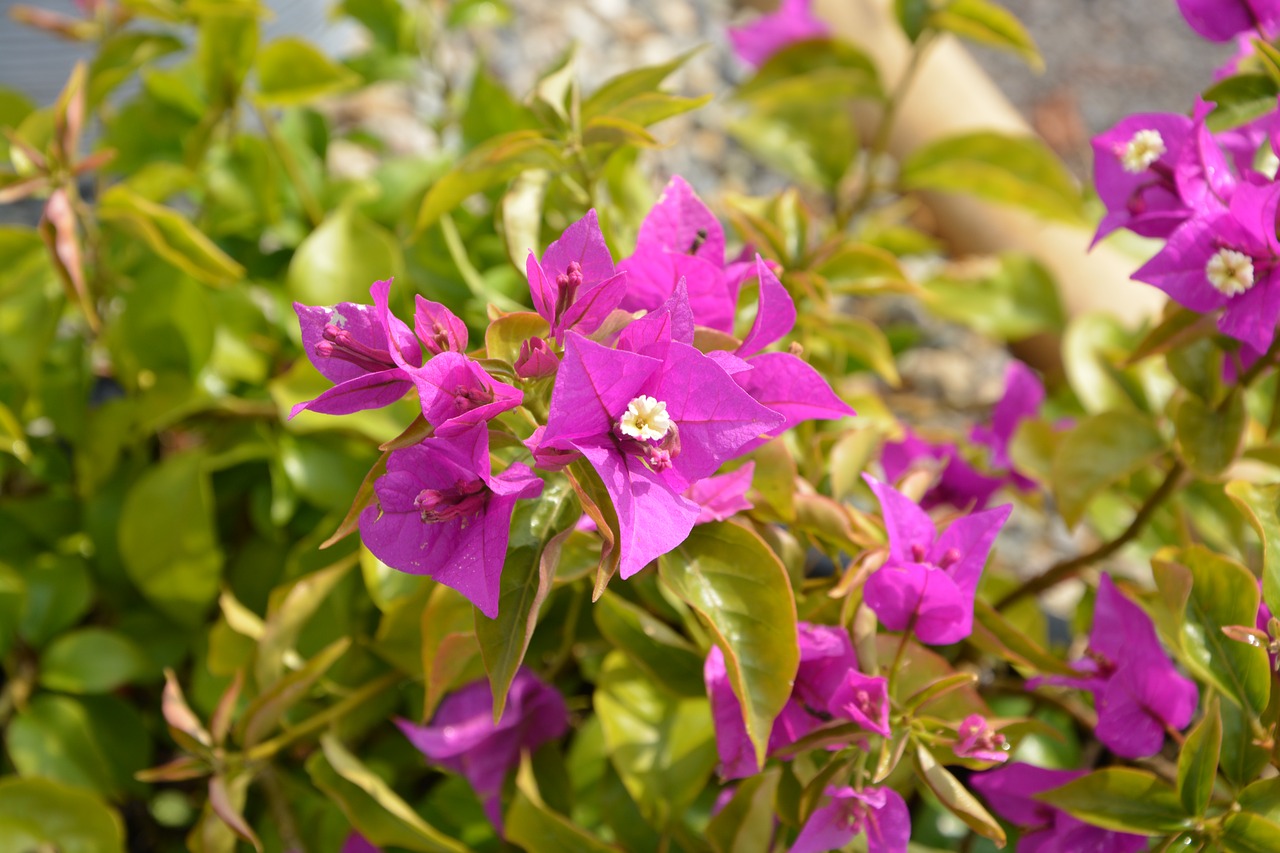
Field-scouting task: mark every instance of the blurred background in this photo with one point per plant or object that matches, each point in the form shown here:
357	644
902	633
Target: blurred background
1104	58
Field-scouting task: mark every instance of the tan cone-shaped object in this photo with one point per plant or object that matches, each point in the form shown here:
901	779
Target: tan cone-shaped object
953	95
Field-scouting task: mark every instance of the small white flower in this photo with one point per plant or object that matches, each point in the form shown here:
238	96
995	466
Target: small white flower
645	419
1142	150
1229	271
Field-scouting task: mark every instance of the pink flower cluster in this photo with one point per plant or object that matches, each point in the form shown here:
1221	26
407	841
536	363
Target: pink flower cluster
631	396
1212	196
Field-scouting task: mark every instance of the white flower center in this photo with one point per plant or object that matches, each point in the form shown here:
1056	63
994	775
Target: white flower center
1229	271
646	418
1142	150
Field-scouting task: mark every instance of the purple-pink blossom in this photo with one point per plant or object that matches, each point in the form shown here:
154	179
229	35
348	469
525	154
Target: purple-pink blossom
928	583
357	843
863	699
575	284
456	393
439	329
782	381
1223	20
959	484
362	349
1010	792
1136	689
794	21
462	736
441	512
826	660
1227	260
879	813
975	738
652	422
723	496
1134	171
680	239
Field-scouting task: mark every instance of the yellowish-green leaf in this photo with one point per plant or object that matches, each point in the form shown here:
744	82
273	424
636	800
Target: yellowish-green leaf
740	589
292	71
1014	170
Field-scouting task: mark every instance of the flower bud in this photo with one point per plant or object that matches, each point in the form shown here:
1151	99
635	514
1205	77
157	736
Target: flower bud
536	360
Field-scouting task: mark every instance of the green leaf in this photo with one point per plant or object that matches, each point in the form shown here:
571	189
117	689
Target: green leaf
373	808
1179	326
1093	348
1016	301
616	132
121	56
492	111
728	575
863	269
96	742
14	107
526	579
1249	833
522	208
450	649
556	94
1262	798
988	24
1198	761
59	592
386	20
168	539
1197	365
864	340
1223	593
91	660
956	798
503	337
1260	506
1242	758
228	40
921	669
291	71
1122	799
616	92
267	710
745	824
996	634
170	235
341	259
912	16
38	813
13	596
651	108
1209	437
1240	99
1015	170
1099	452
791	66
665	656
289	607
537	829
491	164
662	746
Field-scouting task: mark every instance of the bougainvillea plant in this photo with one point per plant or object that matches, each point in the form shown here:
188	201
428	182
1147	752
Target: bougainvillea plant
512	495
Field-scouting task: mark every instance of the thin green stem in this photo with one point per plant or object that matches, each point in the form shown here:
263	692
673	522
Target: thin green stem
880	142
333	713
902	648
310	205
470	275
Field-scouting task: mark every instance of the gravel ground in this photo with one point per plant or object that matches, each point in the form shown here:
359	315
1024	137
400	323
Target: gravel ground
1103	61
